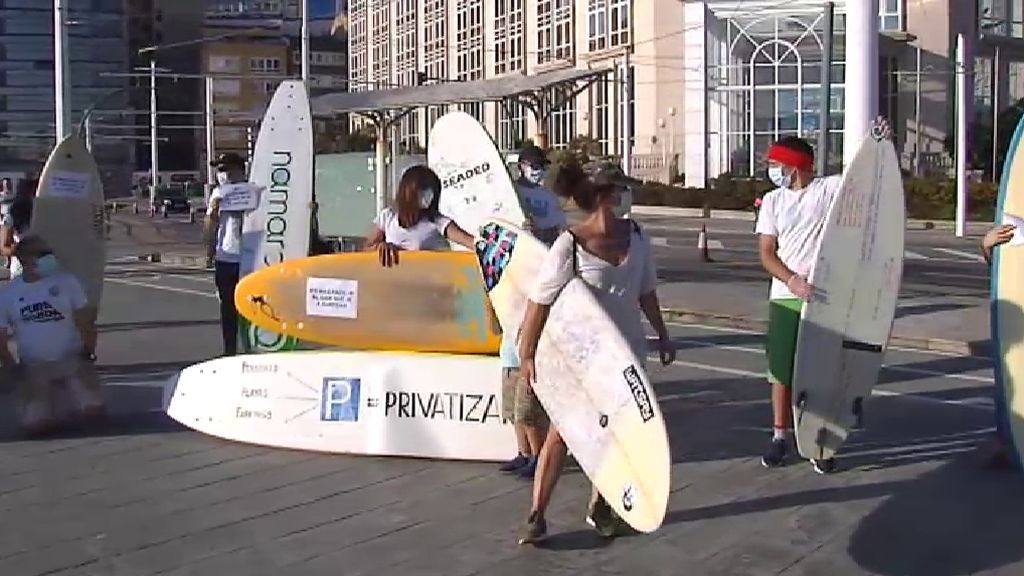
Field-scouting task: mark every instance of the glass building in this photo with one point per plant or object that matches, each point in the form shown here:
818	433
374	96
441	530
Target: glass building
97	43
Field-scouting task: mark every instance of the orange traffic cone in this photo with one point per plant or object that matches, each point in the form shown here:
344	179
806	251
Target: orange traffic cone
702	243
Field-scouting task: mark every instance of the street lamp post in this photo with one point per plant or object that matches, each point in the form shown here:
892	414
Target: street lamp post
154	155
305	41
62	103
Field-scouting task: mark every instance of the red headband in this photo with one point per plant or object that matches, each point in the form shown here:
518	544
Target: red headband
790	157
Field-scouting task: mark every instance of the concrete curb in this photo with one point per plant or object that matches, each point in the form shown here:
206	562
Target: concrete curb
979	349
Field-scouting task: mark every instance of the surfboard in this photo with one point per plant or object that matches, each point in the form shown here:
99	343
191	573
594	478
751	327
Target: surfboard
278	229
68	214
594	389
845	329
1007	302
349	402
429	302
475	184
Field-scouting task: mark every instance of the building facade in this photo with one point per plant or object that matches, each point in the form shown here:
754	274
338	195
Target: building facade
713	82
97	44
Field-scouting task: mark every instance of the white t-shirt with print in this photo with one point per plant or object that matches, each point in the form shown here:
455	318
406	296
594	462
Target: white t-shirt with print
424	235
541	205
41	315
229	229
796	219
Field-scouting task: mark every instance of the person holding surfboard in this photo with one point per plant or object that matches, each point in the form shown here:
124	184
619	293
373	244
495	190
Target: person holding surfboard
545	220
998	452
224	243
789	225
614	257
414	223
47	310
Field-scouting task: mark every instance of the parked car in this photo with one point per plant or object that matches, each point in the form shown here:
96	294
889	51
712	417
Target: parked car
173	199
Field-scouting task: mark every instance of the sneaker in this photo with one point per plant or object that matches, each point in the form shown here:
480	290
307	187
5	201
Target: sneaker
776	454
825	466
515	464
528	469
602	518
535	530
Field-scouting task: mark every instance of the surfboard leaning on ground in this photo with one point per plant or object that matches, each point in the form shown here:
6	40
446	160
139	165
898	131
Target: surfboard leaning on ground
278	229
1007	301
845	329
68	214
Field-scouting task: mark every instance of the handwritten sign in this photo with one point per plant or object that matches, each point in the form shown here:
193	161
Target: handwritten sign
240	197
332	297
63	184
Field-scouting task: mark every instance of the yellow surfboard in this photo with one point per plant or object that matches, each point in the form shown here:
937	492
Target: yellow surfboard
429	302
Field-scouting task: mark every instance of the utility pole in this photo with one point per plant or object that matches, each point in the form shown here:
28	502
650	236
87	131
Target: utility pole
62	102
304	7
826	89
154	155
208	114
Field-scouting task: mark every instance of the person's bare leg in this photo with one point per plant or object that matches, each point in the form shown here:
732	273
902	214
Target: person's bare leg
523	439
549	468
533	439
782	410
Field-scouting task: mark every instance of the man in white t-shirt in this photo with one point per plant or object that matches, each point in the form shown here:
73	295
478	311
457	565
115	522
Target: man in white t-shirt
46	309
789	224
224	245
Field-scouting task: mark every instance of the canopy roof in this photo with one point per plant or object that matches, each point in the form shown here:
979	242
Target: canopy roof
488	90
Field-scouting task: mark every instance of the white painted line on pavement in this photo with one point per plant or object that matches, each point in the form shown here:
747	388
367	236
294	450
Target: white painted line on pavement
159	287
135	383
976	403
914	255
967	255
981	276
659	241
715	245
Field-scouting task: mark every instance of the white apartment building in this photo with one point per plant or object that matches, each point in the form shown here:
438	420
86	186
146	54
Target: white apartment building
714	82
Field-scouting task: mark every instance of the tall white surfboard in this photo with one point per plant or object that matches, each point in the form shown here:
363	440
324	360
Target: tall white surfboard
844	332
595	390
68	213
380	403
475	184
278	229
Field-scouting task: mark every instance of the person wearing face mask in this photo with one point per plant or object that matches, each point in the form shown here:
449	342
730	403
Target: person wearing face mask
414	222
46	309
789	225
224	244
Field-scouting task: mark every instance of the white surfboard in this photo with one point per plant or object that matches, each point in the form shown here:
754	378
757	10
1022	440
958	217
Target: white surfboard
379	403
595	390
475	184
68	214
278	229
844	332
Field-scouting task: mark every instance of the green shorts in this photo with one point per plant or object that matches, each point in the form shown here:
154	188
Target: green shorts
783	325
518	402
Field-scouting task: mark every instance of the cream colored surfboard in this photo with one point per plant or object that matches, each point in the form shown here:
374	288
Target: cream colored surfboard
68	214
844	331
595	390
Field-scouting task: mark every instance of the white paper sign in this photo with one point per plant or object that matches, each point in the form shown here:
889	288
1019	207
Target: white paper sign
239	197
64	184
1018	233
333	297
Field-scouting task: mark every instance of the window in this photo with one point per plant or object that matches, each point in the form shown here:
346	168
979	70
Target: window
223	87
380	38
511	124
469	39
508	36
562	124
357	48
608	23
890	14
435	40
265	64
601	112
554	30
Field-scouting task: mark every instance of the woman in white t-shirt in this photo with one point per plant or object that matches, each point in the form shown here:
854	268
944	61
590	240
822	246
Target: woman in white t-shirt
613	256
414	223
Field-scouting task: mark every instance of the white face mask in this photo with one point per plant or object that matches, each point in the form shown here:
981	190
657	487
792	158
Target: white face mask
778	177
534	175
426	198
222	178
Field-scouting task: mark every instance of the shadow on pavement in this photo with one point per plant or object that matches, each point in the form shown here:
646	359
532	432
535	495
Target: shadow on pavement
955	520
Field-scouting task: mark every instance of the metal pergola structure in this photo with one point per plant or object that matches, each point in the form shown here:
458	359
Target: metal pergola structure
541	94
